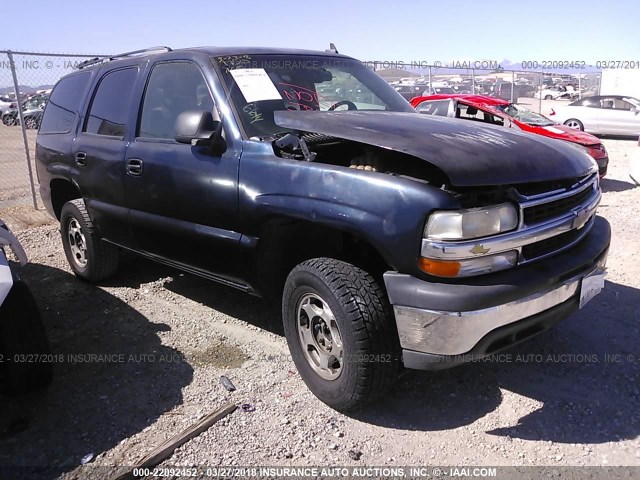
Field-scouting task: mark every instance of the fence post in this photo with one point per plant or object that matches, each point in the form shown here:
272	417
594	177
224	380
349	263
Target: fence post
23	128
513	81
473	81
579	86
540	90
429	79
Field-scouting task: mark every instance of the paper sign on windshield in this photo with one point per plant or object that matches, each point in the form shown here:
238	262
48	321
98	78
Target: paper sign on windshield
553	130
255	84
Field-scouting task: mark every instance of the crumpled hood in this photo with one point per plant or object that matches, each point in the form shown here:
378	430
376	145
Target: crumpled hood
562	132
469	154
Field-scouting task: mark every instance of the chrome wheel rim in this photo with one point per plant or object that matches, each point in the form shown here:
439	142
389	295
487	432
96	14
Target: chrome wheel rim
77	243
319	336
573	124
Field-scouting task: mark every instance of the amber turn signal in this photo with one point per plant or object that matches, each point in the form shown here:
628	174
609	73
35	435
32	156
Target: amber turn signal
439	267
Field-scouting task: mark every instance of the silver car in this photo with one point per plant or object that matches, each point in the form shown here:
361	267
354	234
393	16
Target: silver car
604	114
5	105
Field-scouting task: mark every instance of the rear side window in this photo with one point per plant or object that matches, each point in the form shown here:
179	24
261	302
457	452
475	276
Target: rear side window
63	104
110	105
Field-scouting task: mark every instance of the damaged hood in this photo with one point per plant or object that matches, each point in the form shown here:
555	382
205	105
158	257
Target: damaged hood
469	153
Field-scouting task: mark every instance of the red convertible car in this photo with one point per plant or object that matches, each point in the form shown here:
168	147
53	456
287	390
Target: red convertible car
495	111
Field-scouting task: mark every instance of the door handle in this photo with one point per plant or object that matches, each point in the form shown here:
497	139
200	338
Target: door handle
81	159
134	167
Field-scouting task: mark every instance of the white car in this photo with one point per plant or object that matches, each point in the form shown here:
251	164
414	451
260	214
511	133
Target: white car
557	93
634	170
604	114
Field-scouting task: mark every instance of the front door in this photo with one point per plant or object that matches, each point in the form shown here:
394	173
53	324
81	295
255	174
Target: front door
183	201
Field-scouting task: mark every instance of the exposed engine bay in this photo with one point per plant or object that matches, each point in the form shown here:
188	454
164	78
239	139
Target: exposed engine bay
314	147
321	148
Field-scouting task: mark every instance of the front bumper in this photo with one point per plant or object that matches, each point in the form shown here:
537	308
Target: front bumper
444	323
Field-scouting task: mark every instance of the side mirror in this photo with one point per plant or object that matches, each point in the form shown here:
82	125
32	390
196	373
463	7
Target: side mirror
198	128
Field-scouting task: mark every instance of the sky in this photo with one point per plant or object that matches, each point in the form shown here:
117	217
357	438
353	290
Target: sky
588	30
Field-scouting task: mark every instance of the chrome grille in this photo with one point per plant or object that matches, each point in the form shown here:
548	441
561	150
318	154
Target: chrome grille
545	211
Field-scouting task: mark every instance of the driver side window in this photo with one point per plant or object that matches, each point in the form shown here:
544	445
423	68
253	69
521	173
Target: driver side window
173	88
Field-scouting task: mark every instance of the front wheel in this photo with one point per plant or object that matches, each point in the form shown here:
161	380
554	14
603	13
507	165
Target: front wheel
340	331
574	123
31	122
548	97
89	257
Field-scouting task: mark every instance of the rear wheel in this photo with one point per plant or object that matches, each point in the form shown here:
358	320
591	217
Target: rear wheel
574	123
548	97
89	257
31	123
340	331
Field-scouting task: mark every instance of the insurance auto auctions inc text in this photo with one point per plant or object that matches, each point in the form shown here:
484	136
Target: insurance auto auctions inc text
376	472
414	64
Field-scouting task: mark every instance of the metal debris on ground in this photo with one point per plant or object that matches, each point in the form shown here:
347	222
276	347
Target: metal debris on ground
226	383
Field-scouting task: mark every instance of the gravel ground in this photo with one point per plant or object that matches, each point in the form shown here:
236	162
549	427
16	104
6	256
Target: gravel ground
567	397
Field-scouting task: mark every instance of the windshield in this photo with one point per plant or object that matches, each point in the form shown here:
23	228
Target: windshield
262	84
525	115
633	100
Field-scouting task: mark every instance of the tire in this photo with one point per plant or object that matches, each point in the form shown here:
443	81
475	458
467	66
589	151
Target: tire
360	317
89	257
574	123
548	97
31	122
23	344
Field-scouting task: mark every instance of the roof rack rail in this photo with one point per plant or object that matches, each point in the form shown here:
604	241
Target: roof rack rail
97	60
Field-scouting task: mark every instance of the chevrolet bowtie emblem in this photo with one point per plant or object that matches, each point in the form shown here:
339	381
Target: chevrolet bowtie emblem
479	250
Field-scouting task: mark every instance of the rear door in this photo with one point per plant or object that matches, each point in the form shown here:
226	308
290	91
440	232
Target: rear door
183	200
98	152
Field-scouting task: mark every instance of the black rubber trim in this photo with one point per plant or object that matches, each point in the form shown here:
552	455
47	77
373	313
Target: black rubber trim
486	291
495	341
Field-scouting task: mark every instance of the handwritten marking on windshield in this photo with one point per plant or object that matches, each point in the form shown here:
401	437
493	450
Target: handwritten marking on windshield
253	114
304	98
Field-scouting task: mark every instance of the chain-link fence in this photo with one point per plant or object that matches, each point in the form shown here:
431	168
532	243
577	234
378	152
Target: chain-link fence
26	79
527	87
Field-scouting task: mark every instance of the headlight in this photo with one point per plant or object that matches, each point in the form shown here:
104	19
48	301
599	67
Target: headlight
471	223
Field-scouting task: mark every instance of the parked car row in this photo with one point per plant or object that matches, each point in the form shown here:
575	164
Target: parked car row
32	110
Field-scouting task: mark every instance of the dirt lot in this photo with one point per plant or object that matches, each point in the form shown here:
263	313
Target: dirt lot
567	397
14	173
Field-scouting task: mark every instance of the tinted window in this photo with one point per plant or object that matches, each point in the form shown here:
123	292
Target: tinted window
620	104
63	104
108	112
173	88
434	107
